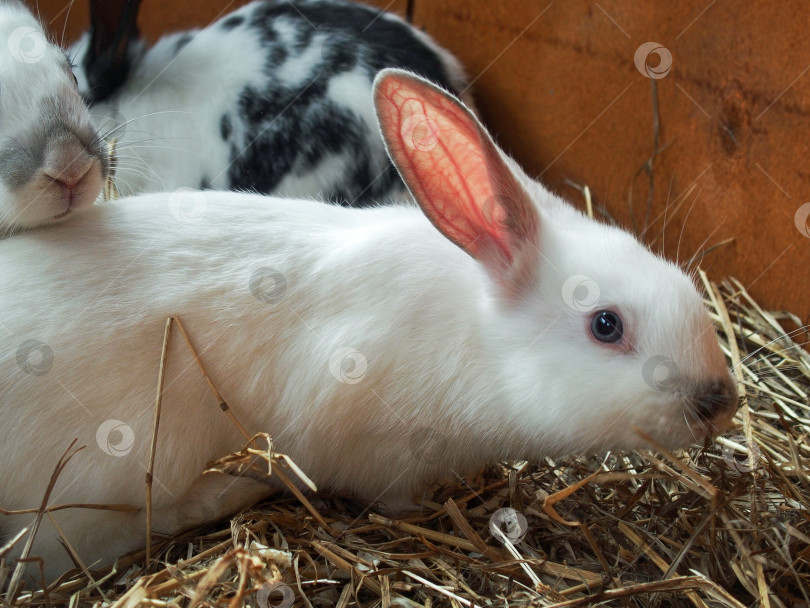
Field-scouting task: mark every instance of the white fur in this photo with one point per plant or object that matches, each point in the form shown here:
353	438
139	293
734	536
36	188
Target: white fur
297	70
443	352
448	355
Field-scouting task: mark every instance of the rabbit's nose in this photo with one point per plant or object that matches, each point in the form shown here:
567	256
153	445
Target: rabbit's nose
717	400
68	167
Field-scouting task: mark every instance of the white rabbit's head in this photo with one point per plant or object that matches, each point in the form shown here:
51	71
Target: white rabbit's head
599	337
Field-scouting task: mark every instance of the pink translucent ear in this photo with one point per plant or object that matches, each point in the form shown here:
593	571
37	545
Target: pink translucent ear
454	170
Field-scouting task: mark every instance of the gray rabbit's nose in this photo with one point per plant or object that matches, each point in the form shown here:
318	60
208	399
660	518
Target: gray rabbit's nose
69	168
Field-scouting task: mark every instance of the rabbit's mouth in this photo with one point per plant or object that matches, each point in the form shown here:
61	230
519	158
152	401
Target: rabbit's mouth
710	410
72	201
72	198
706	429
76	189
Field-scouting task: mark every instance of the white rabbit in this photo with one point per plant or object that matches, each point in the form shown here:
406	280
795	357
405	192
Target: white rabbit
274	97
51	161
499	324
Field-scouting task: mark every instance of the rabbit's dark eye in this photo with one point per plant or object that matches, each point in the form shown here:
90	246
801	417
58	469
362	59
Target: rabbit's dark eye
606	326
70	68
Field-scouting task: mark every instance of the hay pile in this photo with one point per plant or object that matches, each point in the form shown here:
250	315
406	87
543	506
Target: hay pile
727	524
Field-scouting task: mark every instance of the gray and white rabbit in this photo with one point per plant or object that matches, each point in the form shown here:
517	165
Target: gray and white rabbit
494	320
52	161
274	97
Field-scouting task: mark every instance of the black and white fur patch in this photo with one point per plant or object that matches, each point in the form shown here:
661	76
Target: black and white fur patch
274	98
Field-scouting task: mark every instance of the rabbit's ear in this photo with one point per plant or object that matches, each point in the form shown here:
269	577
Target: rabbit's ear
114	26
456	173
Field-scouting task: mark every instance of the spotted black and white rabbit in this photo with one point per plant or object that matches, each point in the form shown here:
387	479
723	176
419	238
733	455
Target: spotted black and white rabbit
274	97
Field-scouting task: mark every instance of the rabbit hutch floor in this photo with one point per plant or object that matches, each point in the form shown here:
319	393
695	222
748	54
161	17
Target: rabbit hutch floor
724	524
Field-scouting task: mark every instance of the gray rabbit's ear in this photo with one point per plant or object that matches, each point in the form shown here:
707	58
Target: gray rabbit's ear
113	30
